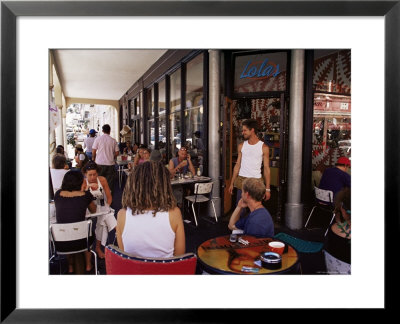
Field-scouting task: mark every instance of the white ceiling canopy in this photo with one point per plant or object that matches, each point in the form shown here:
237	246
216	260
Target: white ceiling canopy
102	74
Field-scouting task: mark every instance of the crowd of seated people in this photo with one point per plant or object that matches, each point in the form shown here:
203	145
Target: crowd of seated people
150	224
142	206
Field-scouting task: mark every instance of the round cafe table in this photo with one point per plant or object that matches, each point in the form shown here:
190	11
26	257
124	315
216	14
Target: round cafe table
220	256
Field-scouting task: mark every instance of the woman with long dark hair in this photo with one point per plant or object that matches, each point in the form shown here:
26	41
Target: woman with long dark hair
150	223
71	202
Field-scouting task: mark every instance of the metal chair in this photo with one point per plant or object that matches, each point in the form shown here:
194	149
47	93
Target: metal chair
324	202
119	262
202	193
71	238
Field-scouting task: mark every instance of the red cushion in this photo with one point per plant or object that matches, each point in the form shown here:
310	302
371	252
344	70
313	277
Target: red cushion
122	264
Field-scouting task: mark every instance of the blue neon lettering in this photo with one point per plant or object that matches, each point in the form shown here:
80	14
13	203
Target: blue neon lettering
253	71
242	76
261	67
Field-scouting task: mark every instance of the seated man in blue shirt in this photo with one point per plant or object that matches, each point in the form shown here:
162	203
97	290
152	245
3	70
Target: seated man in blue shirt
336	178
259	222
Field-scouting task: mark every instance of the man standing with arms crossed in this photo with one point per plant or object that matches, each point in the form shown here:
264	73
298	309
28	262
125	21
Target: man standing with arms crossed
105	150
251	154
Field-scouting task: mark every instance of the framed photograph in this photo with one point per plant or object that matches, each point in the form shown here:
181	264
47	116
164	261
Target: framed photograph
229	13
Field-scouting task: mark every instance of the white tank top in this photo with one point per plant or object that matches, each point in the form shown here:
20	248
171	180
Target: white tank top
148	236
252	156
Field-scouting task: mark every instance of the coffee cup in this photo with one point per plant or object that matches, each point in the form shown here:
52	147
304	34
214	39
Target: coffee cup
277	247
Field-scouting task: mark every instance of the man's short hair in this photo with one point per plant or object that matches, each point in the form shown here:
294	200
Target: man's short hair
59	161
251	124
106	129
255	188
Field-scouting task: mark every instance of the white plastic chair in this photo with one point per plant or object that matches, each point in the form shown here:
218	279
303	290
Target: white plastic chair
324	201
71	238
202	193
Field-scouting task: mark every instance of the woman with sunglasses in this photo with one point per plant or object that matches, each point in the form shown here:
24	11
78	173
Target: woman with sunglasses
98	187
337	245
143	155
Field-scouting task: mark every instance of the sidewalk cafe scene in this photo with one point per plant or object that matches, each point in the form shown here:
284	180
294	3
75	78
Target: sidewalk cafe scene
199	162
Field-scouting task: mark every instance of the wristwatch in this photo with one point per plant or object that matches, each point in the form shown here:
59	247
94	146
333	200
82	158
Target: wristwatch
269	190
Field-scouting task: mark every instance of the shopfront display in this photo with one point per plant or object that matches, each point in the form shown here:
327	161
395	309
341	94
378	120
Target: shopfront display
332	108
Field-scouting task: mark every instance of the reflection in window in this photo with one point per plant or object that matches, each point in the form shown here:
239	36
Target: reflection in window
332	71
194	133
175	140
151	127
162	121
175	112
331	130
332	107
150	116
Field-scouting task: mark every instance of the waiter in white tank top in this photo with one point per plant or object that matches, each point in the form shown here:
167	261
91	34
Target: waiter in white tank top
251	154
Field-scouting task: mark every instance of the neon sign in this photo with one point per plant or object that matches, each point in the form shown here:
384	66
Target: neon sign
253	70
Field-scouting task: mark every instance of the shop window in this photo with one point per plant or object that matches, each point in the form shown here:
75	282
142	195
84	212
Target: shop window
194	130
162	120
175	112
262	72
332	108
150	117
132	104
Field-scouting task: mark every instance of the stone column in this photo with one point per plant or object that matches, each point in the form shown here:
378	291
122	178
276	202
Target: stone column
294	207
214	149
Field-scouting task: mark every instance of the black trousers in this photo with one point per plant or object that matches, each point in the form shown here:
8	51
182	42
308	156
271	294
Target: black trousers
108	171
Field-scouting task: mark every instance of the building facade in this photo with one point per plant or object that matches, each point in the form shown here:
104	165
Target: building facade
199	98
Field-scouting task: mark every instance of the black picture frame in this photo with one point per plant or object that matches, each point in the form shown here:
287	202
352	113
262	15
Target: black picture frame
10	10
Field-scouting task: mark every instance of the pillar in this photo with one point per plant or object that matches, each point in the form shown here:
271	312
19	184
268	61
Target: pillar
214	149
294	207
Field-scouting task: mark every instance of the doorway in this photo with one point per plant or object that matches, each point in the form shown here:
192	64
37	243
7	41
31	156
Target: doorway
271	115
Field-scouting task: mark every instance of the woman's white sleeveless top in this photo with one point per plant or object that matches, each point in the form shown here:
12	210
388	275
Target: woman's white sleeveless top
148	236
252	156
97	193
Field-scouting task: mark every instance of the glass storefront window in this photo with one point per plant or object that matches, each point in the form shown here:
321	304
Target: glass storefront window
150	117
150	103
332	108
161	98
332	71
260	72
175	134
175	112
194	131
162	121
151	128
